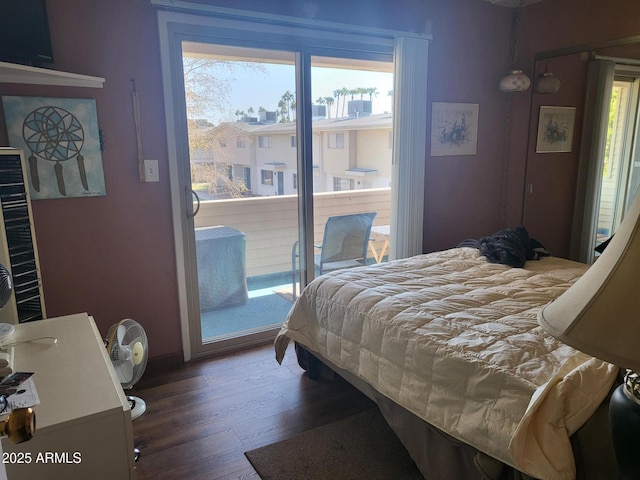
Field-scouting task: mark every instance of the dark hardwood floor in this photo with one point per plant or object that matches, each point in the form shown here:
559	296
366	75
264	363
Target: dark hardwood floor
203	416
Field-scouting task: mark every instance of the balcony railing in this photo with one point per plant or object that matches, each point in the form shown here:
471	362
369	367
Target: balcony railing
271	227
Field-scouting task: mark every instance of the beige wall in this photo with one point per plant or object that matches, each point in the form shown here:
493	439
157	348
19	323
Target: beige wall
373	151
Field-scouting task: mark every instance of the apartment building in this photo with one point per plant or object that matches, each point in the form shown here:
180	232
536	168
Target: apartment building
350	153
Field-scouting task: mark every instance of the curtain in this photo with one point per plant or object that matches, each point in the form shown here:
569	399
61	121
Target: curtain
409	145
594	135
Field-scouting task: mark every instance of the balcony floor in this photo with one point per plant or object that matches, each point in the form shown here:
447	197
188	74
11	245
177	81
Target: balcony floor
264	308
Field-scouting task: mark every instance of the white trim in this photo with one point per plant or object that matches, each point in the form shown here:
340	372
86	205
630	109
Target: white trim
16	73
177	200
239	31
269	18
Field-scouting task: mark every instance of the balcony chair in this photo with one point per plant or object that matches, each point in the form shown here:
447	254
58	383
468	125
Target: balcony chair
344	244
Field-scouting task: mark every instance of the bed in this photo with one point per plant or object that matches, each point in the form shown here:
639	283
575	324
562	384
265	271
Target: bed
449	346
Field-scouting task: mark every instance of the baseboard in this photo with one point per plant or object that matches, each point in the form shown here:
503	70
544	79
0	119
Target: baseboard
164	363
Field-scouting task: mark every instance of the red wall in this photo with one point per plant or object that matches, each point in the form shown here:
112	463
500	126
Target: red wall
114	257
468	56
111	256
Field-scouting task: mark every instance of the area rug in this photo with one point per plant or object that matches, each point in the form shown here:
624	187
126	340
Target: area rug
359	447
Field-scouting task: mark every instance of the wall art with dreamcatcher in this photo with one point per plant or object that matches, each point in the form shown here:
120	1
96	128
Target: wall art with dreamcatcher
61	143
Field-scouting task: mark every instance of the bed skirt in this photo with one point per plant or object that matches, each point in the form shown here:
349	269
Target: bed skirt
440	456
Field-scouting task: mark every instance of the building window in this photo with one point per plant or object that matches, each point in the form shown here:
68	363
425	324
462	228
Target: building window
336	140
222	142
295	181
247	177
230	172
341	184
266	177
293	141
264	141
240	143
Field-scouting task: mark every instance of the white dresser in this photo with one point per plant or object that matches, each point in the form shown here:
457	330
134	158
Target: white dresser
83	421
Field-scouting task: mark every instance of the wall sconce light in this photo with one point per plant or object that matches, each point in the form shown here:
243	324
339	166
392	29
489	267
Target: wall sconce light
546	82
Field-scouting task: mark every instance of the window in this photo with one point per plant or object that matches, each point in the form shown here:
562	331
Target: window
293	141
266	177
230	172
264	141
222	142
240	143
341	184
336	140
247	177
295	181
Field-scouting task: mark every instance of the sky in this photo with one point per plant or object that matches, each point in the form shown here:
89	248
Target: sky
264	86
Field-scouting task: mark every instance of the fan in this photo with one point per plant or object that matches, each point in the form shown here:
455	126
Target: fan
127	348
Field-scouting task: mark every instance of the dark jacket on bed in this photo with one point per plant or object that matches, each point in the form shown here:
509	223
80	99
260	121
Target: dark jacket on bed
511	247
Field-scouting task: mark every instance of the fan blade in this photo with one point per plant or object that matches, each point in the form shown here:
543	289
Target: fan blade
125	374
122	330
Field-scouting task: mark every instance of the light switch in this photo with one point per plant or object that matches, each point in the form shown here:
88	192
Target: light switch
151	173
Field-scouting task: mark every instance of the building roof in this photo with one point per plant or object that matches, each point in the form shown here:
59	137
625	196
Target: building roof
377	121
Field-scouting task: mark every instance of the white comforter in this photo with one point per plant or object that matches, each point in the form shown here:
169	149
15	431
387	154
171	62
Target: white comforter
455	340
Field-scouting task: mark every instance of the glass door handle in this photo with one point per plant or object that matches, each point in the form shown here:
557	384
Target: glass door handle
194	211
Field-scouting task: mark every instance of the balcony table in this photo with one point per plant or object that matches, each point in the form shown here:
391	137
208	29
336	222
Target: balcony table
383	231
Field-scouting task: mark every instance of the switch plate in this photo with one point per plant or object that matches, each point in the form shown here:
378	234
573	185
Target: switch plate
151	173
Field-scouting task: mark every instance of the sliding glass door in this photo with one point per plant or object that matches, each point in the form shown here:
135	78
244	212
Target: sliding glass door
241	116
270	135
609	164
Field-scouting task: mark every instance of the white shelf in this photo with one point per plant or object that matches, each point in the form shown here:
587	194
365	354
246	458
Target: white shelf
16	73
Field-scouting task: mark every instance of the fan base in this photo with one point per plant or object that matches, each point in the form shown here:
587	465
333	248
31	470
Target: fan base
138	406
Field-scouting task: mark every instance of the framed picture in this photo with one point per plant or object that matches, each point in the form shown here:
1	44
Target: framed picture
454	128
555	129
61	144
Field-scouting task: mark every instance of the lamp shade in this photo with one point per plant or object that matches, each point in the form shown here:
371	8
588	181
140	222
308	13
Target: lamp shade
515	81
547	83
600	313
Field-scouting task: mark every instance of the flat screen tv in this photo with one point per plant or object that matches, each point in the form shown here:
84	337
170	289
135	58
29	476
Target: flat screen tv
24	32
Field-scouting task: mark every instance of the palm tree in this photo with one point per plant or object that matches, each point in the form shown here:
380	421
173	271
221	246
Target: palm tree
282	109
337	94
287	98
373	92
329	101
344	91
